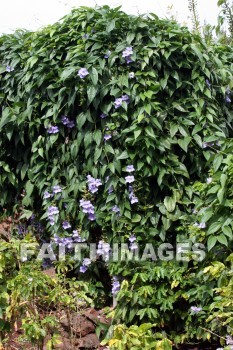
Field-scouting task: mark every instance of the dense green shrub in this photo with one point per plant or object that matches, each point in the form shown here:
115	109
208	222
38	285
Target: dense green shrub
103	93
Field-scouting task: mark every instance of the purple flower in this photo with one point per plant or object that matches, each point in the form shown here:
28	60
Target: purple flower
107	54
133	246
22	229
115	285
130	168
47	195
83	269
104	250
85	36
86	262
66	225
57	189
93	184
76	236
227	99
195	309
127	52
132	238
129	179
9	69
67	241
88	208
116	209
229	340
52	211
52	220
91	217
208	83
82	73
110	190
53	129
71	124
107	137
102	116
125	98
128	60
133	243
133	199
65	120
118	102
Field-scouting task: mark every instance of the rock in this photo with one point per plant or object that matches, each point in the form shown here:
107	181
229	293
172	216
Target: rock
90	341
81	326
96	316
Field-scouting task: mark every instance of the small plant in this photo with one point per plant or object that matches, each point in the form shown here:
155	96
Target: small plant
137	338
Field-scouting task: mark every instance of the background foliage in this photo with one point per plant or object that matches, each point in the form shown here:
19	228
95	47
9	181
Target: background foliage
173	123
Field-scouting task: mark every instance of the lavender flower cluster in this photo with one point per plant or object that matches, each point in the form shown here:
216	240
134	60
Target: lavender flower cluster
82	73
86	262
93	184
52	214
108	53
127	53
88	208
195	309
129	179
103	116
227	95
116	286
9	69
53	129
116	209
68	241
133	243
66	121
201	225
119	101
104	250
55	189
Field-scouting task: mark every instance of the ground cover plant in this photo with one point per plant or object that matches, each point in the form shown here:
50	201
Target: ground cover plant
117	129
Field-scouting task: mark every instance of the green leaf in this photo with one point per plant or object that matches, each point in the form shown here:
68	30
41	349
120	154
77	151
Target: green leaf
24	170
81	120
26	214
91	93
29	188
110	26
137	133
211	242
170	203
222	239
214	227
111	167
136	218
123	155
68	72
217	162
130	37
197	51
183	143
94	76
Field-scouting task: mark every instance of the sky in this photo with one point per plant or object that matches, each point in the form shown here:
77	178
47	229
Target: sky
34	14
